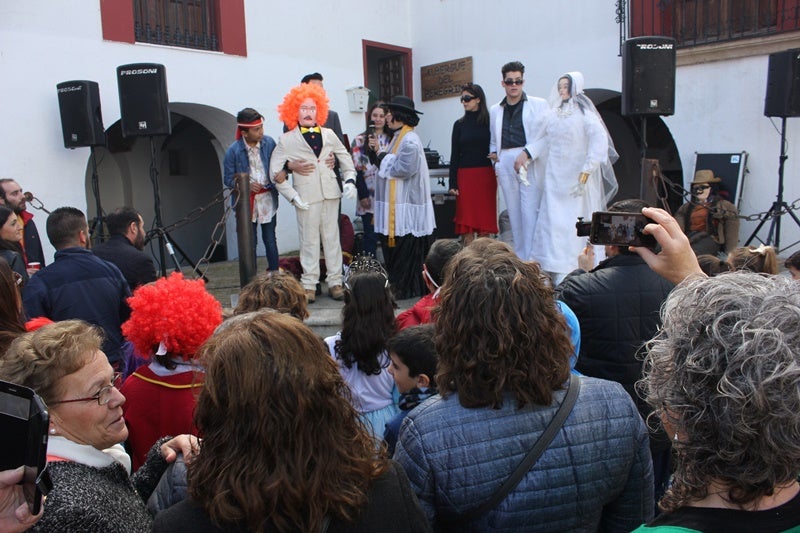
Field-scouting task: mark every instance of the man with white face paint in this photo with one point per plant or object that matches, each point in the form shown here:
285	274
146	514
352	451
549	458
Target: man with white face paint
314	190
517	146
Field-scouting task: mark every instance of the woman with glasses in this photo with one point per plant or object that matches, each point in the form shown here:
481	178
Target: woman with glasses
11	242
579	176
711	223
11	319
92	486
360	347
472	178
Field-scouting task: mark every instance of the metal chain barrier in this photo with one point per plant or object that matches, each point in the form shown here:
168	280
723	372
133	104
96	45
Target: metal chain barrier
687	197
217	234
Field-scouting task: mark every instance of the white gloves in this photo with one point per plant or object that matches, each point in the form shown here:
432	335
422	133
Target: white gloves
299	203
349	190
522	175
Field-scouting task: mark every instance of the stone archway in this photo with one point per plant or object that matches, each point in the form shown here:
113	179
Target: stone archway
189	163
625	132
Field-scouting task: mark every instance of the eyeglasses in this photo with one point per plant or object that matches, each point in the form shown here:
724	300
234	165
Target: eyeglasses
307	109
103	396
468	98
701	187
510	82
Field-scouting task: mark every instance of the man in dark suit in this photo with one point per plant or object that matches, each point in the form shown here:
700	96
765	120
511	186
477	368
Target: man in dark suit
126	245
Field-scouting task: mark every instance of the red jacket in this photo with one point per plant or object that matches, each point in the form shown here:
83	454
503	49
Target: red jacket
157	406
420	313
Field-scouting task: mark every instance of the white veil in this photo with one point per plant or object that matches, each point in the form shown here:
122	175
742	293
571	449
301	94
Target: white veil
579	102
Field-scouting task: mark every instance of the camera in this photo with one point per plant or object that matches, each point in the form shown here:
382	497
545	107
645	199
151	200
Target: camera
616	229
23	423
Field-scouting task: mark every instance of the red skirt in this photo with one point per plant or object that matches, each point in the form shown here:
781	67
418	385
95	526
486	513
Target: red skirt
476	203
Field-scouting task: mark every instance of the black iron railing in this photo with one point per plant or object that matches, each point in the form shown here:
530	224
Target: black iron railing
184	23
697	22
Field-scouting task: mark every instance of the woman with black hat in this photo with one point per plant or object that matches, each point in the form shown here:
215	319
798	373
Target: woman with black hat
711	223
403	208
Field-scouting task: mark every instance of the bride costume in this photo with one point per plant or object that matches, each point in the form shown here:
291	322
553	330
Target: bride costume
579	145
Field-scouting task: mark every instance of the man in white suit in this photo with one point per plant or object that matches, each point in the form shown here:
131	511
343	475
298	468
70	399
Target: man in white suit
517	146
314	191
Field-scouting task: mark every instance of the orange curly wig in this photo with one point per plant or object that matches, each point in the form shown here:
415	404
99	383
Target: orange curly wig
173	310
290	107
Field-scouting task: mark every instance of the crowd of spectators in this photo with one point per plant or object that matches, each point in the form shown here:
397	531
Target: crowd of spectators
640	394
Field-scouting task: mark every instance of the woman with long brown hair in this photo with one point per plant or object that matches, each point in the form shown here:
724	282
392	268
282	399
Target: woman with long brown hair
11	318
282	447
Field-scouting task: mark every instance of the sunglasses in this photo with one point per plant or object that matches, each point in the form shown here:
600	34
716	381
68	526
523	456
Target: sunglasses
510	82
701	187
17	278
468	98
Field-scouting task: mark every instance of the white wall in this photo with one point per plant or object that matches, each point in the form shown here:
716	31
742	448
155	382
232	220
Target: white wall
543	36
45	42
719	106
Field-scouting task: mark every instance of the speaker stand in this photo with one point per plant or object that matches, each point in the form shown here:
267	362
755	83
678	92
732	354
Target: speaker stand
643	143
96	229
779	206
164	243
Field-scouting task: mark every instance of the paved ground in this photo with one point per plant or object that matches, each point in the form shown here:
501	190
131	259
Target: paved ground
325	319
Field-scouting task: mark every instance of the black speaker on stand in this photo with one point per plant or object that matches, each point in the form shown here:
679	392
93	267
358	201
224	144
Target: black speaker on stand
648	85
82	125
782	100
144	108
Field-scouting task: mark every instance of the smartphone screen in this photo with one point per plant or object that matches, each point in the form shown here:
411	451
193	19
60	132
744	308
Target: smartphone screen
23	424
620	229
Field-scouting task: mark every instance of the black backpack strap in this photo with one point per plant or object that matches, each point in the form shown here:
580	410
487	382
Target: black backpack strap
541	444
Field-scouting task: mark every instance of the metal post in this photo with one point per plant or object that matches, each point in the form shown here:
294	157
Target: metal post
244	230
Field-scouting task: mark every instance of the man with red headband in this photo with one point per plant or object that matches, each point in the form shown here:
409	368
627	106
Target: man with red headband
250	154
315	193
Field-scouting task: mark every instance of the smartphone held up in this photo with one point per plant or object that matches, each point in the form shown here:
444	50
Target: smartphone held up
616	229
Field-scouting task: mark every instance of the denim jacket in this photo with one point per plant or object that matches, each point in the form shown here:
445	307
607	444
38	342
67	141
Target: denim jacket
236	161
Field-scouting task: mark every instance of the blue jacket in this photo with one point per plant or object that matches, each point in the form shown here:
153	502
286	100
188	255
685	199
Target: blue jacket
236	161
596	475
80	285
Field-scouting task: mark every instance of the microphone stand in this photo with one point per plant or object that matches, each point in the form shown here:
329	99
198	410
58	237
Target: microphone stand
96	229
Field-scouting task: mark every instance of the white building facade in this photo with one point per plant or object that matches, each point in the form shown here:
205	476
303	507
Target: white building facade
265	47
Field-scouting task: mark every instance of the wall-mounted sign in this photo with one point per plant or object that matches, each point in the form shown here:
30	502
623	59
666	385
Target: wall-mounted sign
444	80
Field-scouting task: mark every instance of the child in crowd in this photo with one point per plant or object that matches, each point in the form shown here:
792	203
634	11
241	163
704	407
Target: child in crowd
413	368
169	320
433	273
762	259
712	265
276	290
360	347
792	265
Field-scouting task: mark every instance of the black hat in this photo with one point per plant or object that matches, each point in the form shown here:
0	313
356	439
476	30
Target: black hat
403	103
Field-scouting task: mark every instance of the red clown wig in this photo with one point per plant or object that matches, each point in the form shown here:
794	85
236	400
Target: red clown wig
176	311
290	108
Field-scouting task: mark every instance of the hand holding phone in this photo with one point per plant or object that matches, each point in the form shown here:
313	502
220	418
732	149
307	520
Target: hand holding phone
620	229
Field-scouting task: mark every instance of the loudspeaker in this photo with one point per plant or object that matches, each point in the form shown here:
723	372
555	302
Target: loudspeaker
81	119
444	211
648	76
143	100
783	84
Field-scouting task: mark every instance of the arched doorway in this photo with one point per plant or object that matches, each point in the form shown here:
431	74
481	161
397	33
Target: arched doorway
189	163
626	134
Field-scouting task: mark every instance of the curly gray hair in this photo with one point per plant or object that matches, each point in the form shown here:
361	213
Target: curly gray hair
724	371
